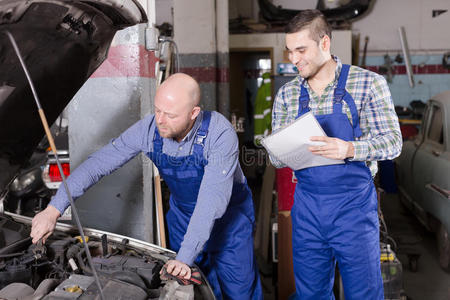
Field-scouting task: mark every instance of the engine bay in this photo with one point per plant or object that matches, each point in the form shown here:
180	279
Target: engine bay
58	269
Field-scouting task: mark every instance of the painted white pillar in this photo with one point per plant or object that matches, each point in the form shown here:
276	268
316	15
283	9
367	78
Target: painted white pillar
223	59
201	33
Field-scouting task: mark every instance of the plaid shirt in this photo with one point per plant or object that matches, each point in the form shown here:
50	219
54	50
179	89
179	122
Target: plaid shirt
381	137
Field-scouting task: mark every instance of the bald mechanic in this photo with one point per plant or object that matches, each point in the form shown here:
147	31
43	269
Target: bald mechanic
211	215
334	216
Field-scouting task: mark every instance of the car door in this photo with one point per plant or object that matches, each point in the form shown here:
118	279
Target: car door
405	162
431	164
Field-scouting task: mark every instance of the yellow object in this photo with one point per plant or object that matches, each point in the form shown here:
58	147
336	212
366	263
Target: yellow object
386	257
80	240
73	289
410	121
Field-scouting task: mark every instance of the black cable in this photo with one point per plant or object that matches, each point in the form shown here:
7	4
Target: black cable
16	245
11	255
177	55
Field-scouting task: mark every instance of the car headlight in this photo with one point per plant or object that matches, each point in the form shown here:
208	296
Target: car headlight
23	182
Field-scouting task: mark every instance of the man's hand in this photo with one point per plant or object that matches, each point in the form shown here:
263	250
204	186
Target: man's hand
44	223
177	268
334	148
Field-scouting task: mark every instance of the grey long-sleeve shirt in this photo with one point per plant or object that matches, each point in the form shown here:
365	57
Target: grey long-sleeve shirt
222	170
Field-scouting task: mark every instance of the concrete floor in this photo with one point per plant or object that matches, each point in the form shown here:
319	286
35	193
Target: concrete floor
429	282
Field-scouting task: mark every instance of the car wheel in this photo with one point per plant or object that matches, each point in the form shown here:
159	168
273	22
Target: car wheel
443	243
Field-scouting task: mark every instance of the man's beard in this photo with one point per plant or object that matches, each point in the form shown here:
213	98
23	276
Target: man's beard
167	133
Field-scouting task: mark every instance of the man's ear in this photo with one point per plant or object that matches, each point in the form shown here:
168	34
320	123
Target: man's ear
195	111
325	43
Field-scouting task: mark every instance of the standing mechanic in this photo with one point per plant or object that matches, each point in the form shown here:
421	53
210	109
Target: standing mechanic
211	215
334	217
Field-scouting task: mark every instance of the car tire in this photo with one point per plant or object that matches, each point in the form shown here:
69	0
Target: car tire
443	244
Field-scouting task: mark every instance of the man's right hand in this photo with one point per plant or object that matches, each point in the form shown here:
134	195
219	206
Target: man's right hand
44	223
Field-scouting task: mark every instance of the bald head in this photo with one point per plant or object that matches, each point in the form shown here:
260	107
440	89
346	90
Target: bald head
176	105
183	86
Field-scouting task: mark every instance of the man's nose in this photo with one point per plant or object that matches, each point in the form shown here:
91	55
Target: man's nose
294	58
160	118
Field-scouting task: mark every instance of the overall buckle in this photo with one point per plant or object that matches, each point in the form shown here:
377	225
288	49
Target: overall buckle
338	95
199	139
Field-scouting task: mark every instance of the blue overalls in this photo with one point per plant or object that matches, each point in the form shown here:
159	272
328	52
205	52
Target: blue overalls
227	259
334	217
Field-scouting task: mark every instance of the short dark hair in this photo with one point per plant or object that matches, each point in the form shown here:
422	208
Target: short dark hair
313	20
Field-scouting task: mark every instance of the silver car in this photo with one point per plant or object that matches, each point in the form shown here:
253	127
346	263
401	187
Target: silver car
423	173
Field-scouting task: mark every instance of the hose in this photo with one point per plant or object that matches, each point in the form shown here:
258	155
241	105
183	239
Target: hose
16	245
11	255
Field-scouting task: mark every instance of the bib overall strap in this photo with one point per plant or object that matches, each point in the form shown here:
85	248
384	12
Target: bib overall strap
341	94
201	134
303	103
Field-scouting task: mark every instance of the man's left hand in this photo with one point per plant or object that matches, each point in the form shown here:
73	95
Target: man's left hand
177	268
334	148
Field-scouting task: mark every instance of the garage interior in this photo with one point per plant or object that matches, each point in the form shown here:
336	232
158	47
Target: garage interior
228	46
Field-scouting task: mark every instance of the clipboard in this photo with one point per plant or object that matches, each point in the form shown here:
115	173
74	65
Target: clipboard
290	144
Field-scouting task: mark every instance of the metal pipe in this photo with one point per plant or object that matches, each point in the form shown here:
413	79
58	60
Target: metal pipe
151	13
405	49
151	32
53	147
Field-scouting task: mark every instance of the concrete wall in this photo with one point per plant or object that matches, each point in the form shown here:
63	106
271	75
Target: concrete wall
424	33
201	33
427	37
428	40
164	10
381	23
116	96
430	77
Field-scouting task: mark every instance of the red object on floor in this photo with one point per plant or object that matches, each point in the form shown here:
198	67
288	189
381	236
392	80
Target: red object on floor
285	185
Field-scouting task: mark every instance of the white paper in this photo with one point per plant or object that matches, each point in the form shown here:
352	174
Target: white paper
290	144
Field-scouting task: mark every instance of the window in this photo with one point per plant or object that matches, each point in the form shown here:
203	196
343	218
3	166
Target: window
436	131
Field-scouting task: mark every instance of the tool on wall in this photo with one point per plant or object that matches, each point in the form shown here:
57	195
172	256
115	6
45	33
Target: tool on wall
387	68
355	48
405	49
363	61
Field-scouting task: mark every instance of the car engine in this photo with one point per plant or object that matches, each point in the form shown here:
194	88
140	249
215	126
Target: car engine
59	270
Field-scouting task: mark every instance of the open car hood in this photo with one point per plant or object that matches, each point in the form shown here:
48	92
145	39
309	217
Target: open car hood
62	43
